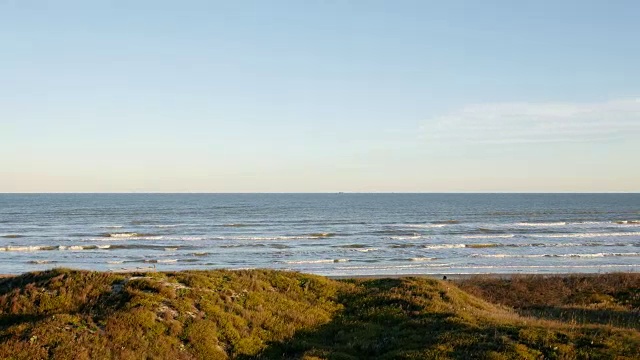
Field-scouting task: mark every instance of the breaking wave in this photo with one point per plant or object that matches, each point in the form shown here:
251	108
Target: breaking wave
161	261
40	262
27	248
545	224
595	255
124	235
395	232
587	235
316	261
444	246
505	236
421	226
51	248
412	237
367	250
279	237
322	235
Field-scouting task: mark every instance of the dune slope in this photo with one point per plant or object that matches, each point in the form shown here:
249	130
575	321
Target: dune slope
66	314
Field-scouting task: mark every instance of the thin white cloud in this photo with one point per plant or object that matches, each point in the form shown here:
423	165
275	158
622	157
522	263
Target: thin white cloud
538	122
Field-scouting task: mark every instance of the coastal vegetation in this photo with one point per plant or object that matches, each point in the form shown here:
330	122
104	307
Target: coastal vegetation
611	299
267	314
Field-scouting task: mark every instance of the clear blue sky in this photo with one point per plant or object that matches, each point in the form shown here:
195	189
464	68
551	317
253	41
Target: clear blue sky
334	95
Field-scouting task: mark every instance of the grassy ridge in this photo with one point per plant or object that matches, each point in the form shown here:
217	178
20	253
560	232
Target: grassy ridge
64	314
612	299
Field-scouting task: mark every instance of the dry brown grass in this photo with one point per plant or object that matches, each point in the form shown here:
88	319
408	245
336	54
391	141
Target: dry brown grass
610	299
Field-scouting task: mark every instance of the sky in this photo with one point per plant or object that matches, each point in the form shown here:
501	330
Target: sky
319	96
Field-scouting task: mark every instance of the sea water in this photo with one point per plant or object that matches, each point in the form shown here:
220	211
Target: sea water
328	234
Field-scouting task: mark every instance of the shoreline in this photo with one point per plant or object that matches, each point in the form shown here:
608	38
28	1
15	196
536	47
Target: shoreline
433	276
440	276
504	276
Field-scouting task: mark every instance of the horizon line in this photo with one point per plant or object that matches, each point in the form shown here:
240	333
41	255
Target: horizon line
310	192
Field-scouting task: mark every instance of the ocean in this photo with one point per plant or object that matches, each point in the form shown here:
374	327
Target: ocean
327	234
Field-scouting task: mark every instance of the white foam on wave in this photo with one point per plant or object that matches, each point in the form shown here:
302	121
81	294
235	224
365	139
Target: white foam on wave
509	255
594	255
127	237
632	254
162	261
322	261
558	244
26	248
53	247
422	259
497	236
321	235
367	249
34	248
575	223
167	260
412	237
543	224
590	244
267	238
376	269
421	226
184	238
562	245
586	235
40	262
445	246
421	265
75	247
580	223
123	235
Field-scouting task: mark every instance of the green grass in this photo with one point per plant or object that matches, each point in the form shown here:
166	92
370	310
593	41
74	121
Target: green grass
264	314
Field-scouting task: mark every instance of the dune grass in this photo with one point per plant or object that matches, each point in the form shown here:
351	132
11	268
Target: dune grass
265	314
611	299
